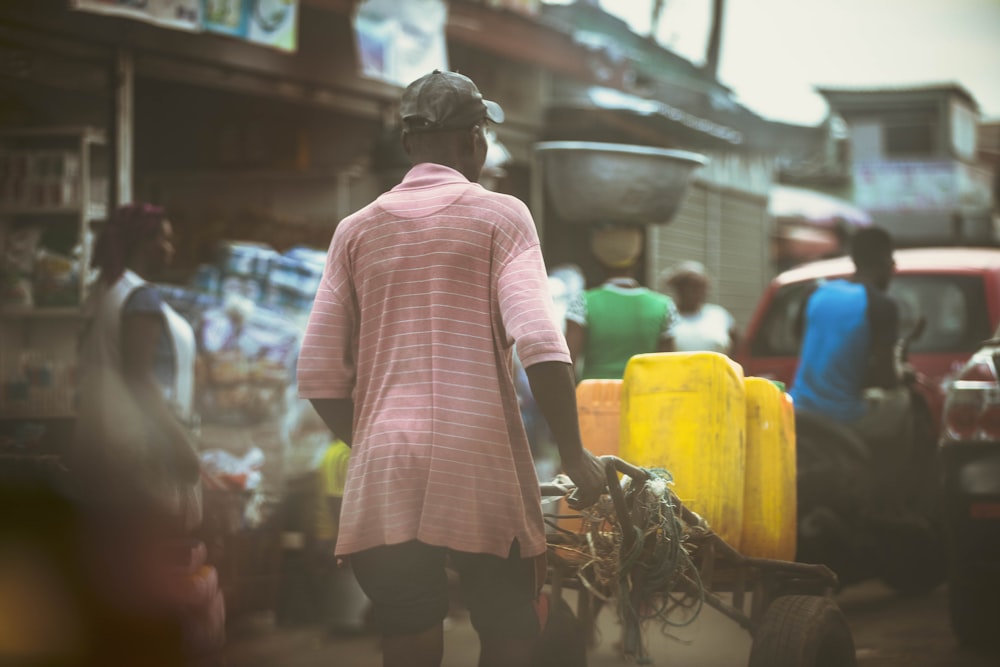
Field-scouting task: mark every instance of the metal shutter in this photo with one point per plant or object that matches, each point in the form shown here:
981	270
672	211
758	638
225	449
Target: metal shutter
684	238
744	254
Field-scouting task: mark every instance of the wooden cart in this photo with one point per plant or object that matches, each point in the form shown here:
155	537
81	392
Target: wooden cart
789	611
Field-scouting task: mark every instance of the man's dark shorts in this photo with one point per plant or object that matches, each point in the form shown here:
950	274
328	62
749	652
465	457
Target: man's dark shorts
408	587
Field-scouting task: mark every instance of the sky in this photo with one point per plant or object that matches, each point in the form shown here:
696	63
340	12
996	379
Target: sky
776	52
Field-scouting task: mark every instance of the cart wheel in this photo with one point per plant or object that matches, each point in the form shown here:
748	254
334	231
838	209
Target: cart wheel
803	631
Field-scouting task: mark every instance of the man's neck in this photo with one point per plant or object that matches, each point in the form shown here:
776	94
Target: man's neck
866	278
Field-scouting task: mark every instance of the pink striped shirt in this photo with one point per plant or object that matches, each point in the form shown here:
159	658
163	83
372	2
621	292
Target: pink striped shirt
425	292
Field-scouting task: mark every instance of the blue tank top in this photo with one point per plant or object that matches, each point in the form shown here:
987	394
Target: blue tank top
835	349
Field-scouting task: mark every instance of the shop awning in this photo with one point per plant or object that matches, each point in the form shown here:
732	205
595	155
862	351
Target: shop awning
805	206
600	98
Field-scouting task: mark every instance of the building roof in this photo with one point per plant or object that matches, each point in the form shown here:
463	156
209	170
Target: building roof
591	25
583	98
853	95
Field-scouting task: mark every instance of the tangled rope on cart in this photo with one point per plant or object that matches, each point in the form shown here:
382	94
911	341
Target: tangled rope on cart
642	574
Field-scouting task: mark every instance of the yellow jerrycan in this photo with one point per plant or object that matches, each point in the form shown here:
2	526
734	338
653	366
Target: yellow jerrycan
686	412
598	406
769	499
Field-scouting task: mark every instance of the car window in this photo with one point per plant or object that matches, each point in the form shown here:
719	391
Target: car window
776	336
954	306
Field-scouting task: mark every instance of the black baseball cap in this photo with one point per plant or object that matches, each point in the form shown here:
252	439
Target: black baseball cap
445	101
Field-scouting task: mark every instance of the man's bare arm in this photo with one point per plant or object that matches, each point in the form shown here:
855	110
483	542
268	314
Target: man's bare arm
553	385
338	415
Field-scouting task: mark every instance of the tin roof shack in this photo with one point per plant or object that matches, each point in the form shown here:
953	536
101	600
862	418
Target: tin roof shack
913	161
989	153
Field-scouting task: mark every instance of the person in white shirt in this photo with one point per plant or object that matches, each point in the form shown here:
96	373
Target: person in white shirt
701	326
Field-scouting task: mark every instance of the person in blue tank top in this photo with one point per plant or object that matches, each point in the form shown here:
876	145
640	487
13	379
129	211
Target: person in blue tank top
849	329
848	368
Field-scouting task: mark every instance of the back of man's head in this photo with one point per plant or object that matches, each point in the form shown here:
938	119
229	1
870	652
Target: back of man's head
442	101
871	248
444	120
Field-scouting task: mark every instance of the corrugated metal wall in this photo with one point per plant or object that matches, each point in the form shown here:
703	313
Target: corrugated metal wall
729	232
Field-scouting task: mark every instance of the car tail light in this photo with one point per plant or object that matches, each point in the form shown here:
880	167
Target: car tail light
972	409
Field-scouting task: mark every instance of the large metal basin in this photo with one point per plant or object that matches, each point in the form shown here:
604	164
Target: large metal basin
592	182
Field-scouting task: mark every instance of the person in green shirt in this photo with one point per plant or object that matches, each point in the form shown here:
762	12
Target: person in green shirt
607	325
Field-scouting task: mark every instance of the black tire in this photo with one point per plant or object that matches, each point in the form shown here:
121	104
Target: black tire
803	631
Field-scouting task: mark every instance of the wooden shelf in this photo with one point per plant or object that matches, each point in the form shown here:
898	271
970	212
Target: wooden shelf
94	211
41	312
36	416
90	134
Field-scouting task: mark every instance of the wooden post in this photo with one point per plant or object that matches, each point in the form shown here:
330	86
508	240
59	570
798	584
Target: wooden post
122	126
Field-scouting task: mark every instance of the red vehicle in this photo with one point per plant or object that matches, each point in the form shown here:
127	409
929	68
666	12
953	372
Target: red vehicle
957	291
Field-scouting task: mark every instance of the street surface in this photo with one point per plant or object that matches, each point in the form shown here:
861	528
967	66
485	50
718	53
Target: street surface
889	631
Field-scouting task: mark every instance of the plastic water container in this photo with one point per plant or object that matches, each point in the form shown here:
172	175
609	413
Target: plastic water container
769	499
598	405
686	412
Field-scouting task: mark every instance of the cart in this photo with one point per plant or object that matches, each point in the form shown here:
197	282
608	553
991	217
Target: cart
667	562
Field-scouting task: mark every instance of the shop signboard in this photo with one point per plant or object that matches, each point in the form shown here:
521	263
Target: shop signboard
176	14
921	186
901	186
228	17
271	23
399	42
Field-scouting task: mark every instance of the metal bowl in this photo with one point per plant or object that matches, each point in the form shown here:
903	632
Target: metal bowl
592	182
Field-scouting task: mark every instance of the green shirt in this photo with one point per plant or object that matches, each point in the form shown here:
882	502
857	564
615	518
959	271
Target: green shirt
622	320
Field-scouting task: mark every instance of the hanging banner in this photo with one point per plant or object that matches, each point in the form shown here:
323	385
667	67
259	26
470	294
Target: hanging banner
271	23
398	42
227	17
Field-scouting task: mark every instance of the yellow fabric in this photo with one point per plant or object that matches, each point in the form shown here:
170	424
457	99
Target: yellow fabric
332	474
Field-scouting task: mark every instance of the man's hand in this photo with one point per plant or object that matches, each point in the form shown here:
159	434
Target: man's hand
587	472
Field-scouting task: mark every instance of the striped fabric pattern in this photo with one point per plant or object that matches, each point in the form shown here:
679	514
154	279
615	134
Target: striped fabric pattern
425	292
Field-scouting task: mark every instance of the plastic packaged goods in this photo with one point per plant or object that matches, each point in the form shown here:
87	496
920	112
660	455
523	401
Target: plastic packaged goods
769	499
598	406
246	258
686	412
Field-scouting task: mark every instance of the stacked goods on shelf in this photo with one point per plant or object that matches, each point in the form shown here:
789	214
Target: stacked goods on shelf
39	179
686	412
245	363
37	383
18	265
769	500
33	275
293	282
49	192
244	267
281	283
246	357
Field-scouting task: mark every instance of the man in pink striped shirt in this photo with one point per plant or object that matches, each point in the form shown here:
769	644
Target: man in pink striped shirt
407	357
